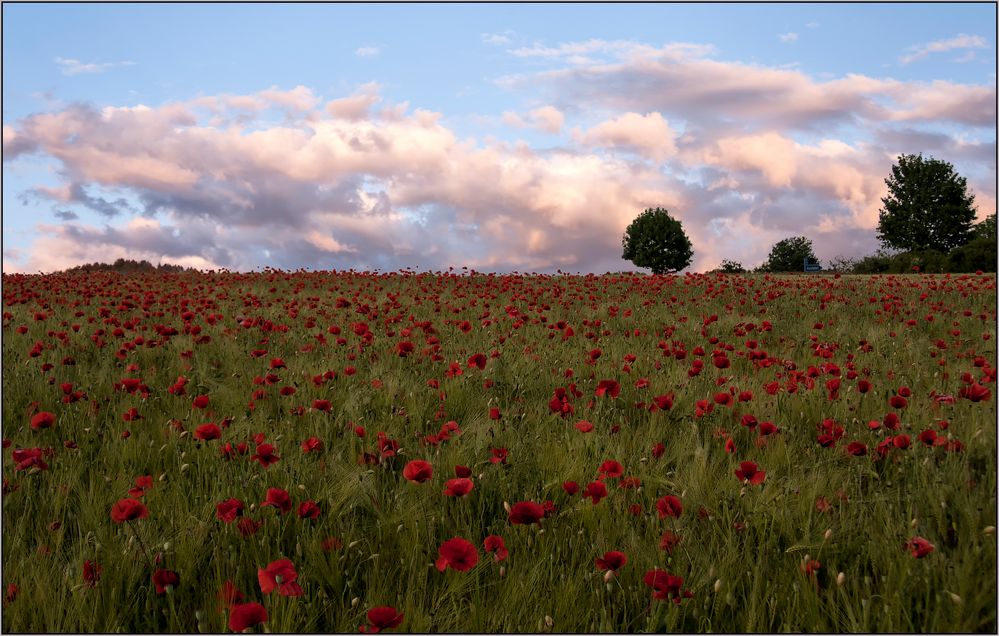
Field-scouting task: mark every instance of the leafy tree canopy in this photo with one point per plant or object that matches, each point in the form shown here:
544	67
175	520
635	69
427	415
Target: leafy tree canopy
927	207
789	255
657	241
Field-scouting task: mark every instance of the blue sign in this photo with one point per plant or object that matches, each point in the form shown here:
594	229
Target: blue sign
812	267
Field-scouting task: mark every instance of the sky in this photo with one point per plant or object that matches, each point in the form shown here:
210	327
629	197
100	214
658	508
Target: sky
508	137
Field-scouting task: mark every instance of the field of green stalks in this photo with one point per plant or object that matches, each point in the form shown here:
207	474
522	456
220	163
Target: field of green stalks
353	451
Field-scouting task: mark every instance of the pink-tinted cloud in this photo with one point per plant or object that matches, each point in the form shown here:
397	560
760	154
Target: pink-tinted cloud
682	82
958	42
649	135
353	181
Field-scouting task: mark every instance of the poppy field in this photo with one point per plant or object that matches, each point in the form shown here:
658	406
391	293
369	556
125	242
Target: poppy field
463	452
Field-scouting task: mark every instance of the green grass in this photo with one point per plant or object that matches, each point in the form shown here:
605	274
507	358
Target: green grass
747	580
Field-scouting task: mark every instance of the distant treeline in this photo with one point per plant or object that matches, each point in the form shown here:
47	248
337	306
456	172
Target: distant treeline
129	266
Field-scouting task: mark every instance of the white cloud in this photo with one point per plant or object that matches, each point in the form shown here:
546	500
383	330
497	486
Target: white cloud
367	51
788	37
743	154
961	41
70	66
497	39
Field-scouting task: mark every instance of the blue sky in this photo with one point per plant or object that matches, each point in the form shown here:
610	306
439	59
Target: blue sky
491	127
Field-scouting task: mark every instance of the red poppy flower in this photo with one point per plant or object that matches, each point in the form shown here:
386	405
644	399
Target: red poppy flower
458	487
142	484
28	457
665	586
584	426
658	450
595	491
128	510
457	553
164	580
91	572
381	618
41	420
322	405
279	575
494	413
570	487
228	510
975	392
669	506
499	455
526	513
495	544
200	402
857	449
312	444
898	402
810	567
663	402
749	471
265	455
768	428
611	469
308	510
608	388
418	471
278	363
246	615
612	561
277	498
669	541
207	432
477	360
928	437
919	547
901	441
462	471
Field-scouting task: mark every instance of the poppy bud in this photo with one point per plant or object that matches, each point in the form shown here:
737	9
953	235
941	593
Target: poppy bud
608	577
718	586
354	601
502	571
828	534
506	506
549	621
840	579
914	523
989	530
954	597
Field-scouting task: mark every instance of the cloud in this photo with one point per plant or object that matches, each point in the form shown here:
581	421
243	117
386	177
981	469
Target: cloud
497	39
357	105
546	119
743	155
679	81
581	52
367	51
788	37
648	135
364	191
70	66
961	41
